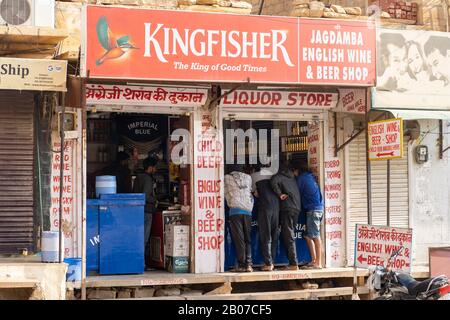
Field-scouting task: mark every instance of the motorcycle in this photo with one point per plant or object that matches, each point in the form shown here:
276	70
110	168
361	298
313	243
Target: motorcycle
396	285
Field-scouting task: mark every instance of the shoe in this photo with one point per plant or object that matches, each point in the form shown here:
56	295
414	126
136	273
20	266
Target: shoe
249	269
291	268
267	267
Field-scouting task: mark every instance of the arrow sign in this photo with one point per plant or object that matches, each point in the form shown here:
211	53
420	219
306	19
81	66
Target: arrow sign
361	259
385	154
385	139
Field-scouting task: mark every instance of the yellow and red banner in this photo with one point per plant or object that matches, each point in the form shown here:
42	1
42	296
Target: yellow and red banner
127	43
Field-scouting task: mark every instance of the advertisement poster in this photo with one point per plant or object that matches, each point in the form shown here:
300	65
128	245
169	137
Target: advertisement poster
413	69
126	43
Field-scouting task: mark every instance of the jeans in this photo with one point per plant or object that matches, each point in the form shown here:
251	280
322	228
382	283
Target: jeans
147	227
313	221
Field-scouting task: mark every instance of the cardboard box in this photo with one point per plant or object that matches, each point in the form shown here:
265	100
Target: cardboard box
179	250
177	264
176	240
176	231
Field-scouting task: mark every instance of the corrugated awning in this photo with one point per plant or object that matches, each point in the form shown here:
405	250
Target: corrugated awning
406	114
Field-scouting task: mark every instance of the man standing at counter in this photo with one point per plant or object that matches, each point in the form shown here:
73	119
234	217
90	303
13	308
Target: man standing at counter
145	184
285	187
312	206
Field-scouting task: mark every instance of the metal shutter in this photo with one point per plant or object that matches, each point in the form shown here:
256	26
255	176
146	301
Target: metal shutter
16	171
357	191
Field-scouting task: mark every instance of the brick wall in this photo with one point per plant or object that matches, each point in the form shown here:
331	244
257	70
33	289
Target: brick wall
432	13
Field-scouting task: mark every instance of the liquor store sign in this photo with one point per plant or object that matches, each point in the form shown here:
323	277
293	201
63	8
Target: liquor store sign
99	94
375	245
125	43
385	139
33	74
280	99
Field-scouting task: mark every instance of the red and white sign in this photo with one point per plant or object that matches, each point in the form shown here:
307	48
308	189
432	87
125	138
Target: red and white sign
337	52
209	229
97	94
69	199
125	43
280	99
352	101
374	245
385	139
314	148
334	201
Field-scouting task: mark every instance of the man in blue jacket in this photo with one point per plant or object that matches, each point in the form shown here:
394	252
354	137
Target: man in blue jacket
313	206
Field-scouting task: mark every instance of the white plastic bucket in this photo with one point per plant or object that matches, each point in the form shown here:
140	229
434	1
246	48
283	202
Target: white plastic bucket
50	243
105	185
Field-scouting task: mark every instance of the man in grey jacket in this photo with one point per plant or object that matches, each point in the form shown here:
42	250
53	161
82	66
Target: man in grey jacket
285	187
238	194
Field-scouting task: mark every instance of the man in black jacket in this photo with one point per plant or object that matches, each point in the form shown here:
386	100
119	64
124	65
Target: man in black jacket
268	216
285	187
145	184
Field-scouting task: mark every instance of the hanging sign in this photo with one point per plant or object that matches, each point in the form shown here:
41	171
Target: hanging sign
125	43
33	74
280	99
98	94
352	101
385	139
374	245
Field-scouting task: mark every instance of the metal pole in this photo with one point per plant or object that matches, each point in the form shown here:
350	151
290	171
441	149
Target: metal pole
368	171
388	200
261	7
335	135
83	192
388	187
61	176
441	141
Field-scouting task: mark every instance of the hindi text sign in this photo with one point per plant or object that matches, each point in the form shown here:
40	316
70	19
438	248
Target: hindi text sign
374	246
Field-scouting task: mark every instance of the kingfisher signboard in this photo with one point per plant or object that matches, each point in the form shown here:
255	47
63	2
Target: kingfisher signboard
144	44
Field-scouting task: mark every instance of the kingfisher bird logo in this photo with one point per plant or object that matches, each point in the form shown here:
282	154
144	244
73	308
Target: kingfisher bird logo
115	46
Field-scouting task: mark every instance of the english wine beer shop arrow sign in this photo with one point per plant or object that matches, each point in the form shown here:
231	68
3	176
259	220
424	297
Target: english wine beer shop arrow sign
374	246
386	139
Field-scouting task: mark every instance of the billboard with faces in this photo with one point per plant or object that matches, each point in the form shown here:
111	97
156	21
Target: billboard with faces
413	70
413	61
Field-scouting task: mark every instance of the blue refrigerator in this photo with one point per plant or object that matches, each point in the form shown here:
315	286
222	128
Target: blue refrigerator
120	226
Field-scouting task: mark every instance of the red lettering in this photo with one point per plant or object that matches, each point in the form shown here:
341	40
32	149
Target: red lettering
209	243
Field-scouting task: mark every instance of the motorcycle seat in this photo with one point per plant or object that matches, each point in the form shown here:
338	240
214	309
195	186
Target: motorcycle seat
416	287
